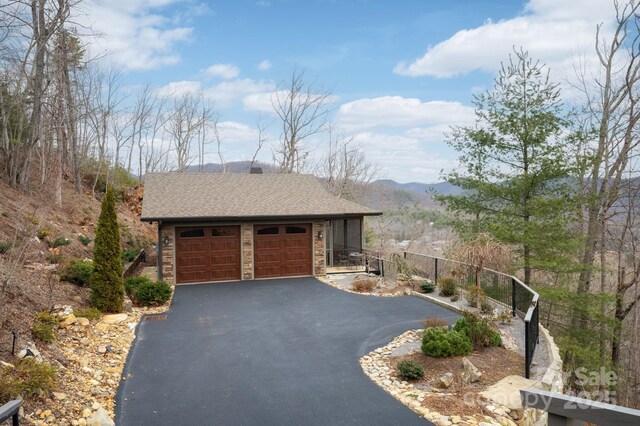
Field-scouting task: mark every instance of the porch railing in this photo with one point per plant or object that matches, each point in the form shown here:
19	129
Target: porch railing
503	289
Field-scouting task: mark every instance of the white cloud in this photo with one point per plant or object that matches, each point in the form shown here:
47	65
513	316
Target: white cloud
397	111
225	71
133	33
264	65
404	158
179	88
259	102
236	132
227	92
553	30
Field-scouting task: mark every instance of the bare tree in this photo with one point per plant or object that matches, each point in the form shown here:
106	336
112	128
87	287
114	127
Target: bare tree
262	138
345	168
302	110
184	126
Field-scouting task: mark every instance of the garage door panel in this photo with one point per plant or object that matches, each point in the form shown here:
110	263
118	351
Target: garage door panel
282	250
207	254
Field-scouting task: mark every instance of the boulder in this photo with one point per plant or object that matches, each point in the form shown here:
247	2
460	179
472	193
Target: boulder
83	321
114	318
32	351
506	393
471	372
445	381
100	418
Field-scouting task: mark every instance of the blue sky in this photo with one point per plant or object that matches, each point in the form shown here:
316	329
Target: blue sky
401	72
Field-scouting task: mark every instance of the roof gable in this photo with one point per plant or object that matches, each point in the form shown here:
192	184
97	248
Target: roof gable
175	196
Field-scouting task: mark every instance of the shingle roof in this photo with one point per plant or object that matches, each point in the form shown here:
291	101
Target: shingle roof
174	196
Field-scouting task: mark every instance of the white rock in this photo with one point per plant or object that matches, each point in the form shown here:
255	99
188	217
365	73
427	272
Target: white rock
100	418
472	371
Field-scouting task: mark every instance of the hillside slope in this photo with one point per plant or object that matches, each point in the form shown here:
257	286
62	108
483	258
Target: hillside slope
29	224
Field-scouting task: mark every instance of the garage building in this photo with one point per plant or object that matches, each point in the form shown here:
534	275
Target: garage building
222	227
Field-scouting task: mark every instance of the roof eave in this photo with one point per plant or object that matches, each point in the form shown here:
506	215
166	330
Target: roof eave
256	218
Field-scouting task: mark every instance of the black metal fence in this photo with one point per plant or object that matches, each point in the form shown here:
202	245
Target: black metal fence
502	289
11	410
130	269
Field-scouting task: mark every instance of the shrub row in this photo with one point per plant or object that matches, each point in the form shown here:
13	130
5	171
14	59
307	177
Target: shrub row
469	332
144	292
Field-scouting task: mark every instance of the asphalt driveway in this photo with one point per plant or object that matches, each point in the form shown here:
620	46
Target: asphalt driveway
273	352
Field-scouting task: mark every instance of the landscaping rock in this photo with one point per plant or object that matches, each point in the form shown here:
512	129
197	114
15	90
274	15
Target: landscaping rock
506	393
30	350
68	321
445	381
471	371
100	418
83	321
114	318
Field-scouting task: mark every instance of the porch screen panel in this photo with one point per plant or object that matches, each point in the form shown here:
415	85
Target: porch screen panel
354	235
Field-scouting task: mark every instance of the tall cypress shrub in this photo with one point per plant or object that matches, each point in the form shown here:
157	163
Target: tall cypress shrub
107	287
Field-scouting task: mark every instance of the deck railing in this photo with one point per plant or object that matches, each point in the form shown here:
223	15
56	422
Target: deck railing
503	289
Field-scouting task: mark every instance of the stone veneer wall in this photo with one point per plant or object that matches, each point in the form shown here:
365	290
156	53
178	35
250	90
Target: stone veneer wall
246	240
319	248
167	254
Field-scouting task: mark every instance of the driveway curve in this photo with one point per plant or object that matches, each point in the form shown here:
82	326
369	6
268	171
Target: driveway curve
272	352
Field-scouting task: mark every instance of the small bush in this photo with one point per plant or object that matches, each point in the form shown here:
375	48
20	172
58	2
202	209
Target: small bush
43	233
478	330
54	258
447	286
60	241
78	271
132	284
27	379
363	286
44	327
152	293
426	287
486	308
472	295
410	370
89	313
129	254
84	240
438	342
431	322
4	246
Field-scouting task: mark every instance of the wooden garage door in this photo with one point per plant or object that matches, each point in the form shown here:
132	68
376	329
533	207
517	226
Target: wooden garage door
282	250
207	254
